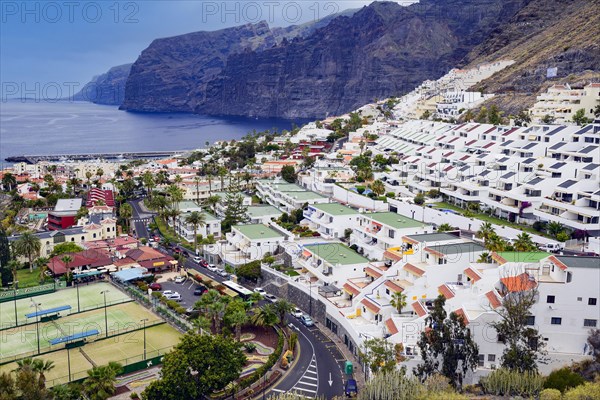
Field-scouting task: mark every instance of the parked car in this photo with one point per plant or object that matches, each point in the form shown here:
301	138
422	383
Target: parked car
155	286
271	298
351	388
192	312
212	267
174	296
223	273
203	263
260	291
200	290
176	250
197	259
180	279
297	312
552	247
167	293
306	320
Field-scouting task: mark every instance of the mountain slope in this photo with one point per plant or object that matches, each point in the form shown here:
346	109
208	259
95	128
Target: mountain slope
544	34
383	49
107	88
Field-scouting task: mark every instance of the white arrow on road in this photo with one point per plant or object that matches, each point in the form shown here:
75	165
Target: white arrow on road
330	381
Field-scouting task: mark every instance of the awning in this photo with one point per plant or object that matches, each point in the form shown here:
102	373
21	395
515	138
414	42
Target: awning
493	299
350	289
372	272
414	270
371	306
130	274
394	287
391	327
446	291
472	274
419	309
84	274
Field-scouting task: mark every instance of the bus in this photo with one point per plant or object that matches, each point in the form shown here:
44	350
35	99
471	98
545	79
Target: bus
239	289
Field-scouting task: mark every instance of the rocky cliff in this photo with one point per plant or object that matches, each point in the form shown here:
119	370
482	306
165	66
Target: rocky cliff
562	34
107	88
383	49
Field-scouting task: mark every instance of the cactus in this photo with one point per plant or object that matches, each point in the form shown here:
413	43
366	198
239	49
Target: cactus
503	382
391	386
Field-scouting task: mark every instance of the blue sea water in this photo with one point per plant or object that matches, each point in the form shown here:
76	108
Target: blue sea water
33	128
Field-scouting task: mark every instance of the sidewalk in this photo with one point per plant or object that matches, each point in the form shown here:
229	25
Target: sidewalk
358	375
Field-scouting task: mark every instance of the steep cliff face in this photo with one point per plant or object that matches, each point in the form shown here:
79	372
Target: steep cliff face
107	88
562	34
382	50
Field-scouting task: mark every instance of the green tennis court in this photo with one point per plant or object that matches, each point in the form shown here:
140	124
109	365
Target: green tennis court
21	341
90	297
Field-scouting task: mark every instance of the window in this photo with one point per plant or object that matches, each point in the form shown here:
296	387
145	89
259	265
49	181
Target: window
580	299
491	357
591	323
556	321
592	301
550	299
530	320
481	360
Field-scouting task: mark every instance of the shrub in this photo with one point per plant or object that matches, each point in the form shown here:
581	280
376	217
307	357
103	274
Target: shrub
503	382
550	394
419	199
437	383
563	379
587	391
539	226
249	347
391	194
563	236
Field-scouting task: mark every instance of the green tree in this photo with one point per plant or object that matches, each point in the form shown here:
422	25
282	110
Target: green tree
398	301
524	242
446	346
212	202
378	187
548	119
469	116
28	245
175	194
419	199
42	264
523	342
495	115
8	390
236	316
379	355
554	228
265	316
66	247
126	212
251	271
522	118
235	211
283	307
9	182
426	115
482	116
485	231
445	227
5	273
579	117
213	304
101	380
149	183
198	366
288	173
196	219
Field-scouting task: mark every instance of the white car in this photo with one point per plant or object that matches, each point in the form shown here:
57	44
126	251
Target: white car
260	291
297	312
212	267
167	293
224	273
271	298
174	296
180	279
197	259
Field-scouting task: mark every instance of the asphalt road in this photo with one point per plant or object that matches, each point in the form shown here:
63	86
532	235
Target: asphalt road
140	219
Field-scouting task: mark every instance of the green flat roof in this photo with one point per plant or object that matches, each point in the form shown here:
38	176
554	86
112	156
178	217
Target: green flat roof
394	220
523	256
223	195
433	237
187	204
306	195
335	209
283	186
336	253
209	217
261	211
257	231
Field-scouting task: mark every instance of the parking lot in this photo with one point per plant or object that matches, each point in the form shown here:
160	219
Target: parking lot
185	289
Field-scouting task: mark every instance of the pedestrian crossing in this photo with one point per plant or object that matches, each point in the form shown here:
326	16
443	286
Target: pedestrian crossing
308	385
142	220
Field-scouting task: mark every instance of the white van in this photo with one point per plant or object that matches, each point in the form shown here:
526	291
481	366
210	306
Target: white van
552	247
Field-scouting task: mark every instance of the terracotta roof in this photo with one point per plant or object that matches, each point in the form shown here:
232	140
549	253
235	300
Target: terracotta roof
351	289
463	314
558	263
519	283
473	274
394	287
409	240
392	256
493	299
434	252
373	272
419	309
446	291
372	307
391	327
413	269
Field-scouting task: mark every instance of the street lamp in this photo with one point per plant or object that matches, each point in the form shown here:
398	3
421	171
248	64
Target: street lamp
265	383
15	298
37	322
78	304
144	321
310	294
105	312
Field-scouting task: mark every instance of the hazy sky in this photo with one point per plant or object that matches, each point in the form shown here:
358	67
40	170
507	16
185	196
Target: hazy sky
64	43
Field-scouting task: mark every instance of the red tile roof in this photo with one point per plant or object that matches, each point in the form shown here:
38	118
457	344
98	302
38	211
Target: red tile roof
351	289
92	258
375	273
394	287
493	299
473	274
391	327
519	283
414	270
392	256
419	309
446	291
558	263
460	312
372	307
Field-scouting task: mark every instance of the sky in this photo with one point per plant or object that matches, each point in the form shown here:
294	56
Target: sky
48	47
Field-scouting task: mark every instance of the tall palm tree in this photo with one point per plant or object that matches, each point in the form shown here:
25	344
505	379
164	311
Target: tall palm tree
42	367
214	305
67	259
173	214
378	187
524	243
28	245
196	219
100	383
282	307
99	173
222	173
485	231
398	301
148	180
175	193
236	315
42	264
197	182
212	201
126	211
88	177
265	316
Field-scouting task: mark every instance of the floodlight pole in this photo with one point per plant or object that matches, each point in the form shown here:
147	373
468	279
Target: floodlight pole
37	323
144	321
69	360
15	299
105	312
78	304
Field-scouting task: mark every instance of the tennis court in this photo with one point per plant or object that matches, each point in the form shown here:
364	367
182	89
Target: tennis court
125	349
21	341
90	297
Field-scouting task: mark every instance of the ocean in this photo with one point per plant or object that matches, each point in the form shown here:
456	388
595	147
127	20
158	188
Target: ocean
34	128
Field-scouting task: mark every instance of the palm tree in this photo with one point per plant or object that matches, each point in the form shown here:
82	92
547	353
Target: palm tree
67	259
554	228
9	181
496	243
214	305
197	182
125	211
23	364
222	173
209	177
196	219
148	181
14	265
173	214
378	187
212	201
398	301
236	316
28	245
88	177
282	307
99	173
265	316
175	193
42	264
42	367
445	227
484	258
524	243
100	383
485	231
247	177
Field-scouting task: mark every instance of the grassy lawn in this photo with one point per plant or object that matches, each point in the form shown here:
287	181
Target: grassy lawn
488	218
29	279
256	199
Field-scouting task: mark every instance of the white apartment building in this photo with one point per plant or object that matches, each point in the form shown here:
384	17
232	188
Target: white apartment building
246	243
287	196
331	220
561	102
